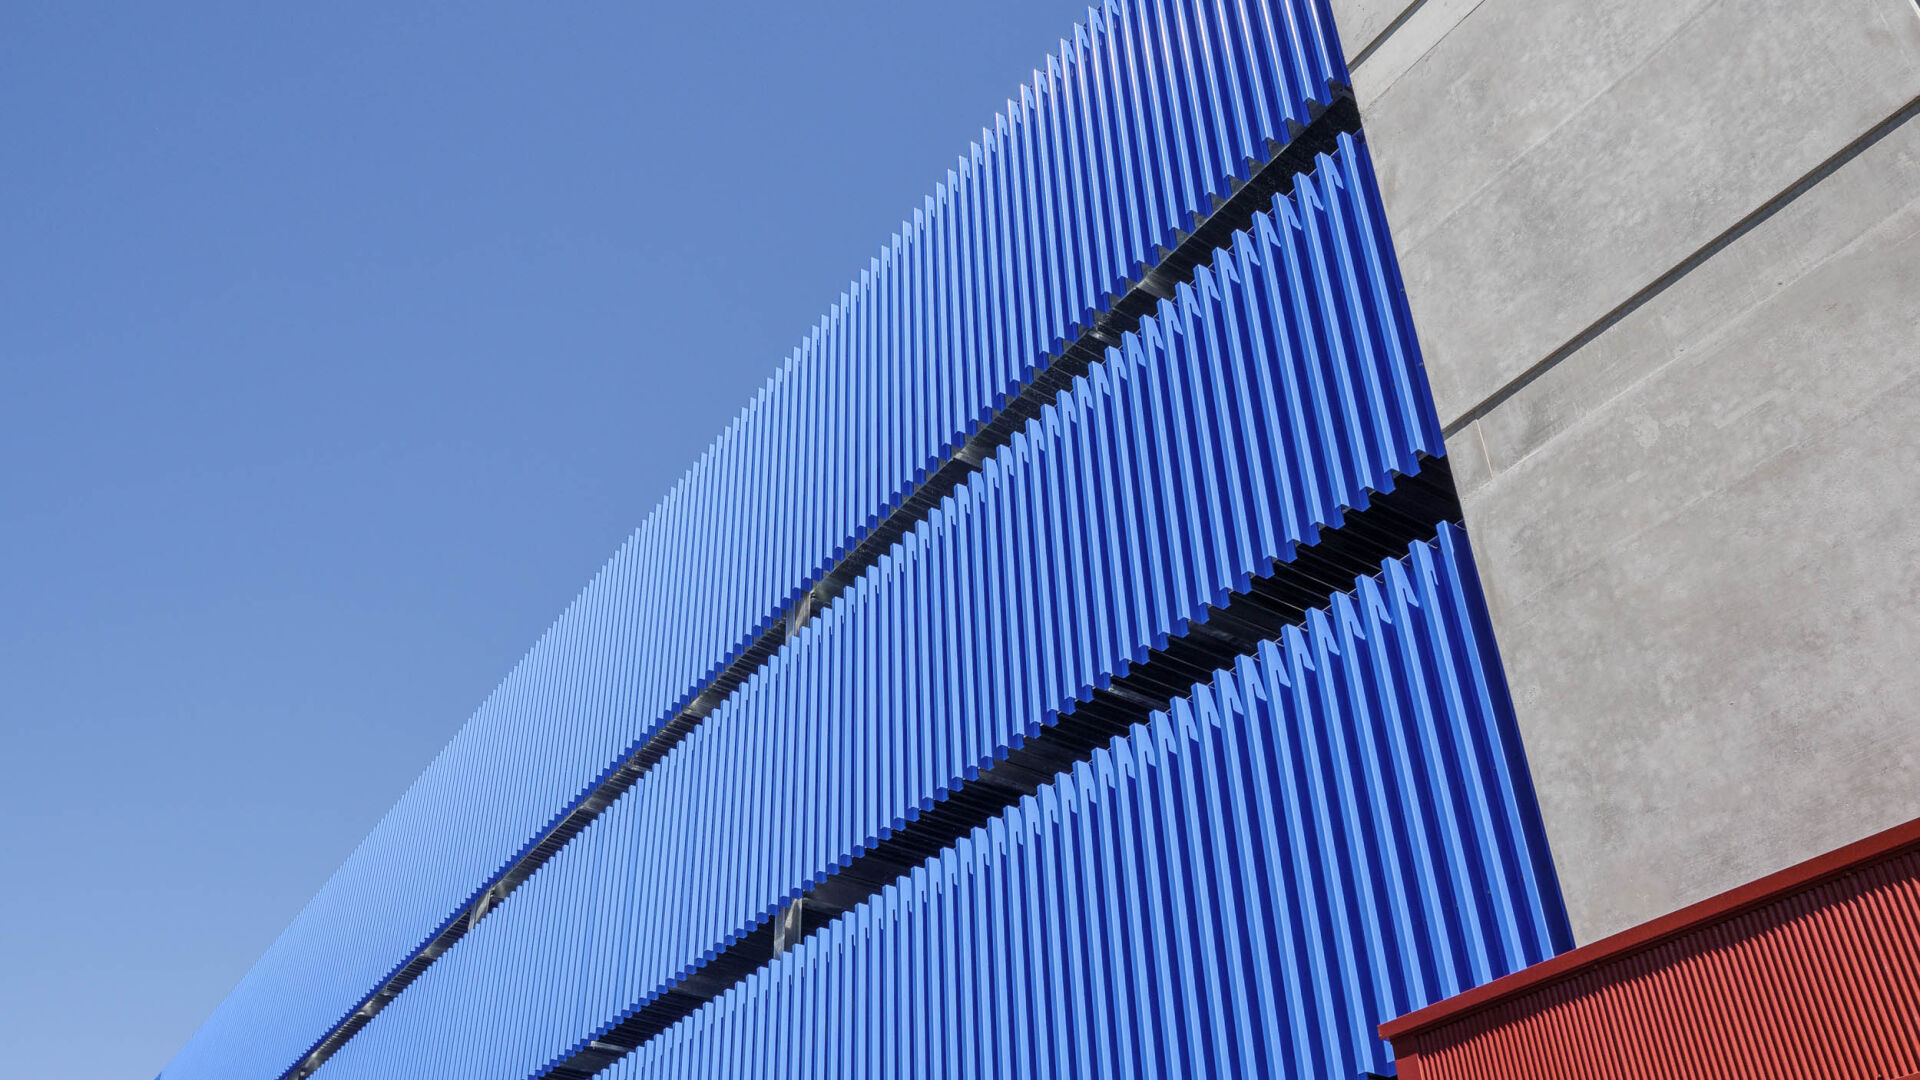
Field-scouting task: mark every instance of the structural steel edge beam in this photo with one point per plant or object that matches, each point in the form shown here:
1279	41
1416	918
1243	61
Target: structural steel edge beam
1174	268
1412	512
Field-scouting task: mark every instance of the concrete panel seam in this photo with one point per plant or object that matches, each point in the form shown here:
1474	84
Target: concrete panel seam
1687	265
1388	31
1393	56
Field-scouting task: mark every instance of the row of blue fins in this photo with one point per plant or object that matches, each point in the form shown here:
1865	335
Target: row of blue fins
1336	831
1150	112
1245	416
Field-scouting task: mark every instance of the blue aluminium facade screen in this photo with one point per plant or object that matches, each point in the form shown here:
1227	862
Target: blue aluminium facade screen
1154	108
1068	557
1331	828
1333	833
1349	836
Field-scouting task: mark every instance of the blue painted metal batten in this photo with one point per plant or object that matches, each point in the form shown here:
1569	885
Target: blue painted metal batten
1154	488
1336	830
1153	109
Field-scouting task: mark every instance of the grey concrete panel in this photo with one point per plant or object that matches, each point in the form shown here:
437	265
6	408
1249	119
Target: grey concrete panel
1700	536
1869	193
1479	97
1546	159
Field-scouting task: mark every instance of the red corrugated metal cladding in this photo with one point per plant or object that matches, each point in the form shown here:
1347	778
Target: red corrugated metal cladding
1810	972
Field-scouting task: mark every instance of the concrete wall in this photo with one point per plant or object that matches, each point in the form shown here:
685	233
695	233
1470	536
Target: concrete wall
1664	259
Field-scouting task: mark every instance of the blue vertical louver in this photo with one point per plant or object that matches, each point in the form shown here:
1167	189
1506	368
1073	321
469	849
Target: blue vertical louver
1332	829
1151	110
1335	832
1151	489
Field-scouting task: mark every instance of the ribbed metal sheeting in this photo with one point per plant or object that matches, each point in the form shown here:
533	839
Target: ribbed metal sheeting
1233	426
1154	108
1820	983
1331	833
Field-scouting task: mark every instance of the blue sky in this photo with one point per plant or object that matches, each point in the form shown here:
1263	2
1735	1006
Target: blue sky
338	347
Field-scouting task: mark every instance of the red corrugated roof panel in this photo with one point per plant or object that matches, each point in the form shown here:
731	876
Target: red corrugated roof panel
1810	972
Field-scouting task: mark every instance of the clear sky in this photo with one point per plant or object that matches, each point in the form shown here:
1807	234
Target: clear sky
339	345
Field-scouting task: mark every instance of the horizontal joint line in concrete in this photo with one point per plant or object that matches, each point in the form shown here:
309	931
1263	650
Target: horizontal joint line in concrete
1391	28
1686	266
